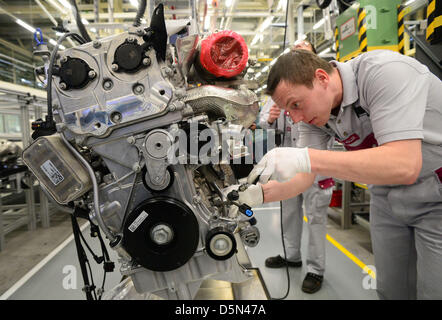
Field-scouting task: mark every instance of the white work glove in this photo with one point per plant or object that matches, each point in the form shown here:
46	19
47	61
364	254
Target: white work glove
281	164
252	196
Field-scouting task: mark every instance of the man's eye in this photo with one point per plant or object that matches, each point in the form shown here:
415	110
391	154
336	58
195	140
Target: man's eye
295	106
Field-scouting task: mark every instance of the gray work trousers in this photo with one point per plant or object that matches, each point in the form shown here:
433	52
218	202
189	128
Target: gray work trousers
406	233
316	201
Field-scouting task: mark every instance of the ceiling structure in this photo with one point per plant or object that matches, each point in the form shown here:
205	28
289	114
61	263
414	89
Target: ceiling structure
261	23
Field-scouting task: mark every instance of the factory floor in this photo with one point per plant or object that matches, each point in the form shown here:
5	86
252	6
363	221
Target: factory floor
34	264
348	253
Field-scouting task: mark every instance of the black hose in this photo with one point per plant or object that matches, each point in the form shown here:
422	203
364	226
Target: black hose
82	258
140	13
322	4
78	38
80	24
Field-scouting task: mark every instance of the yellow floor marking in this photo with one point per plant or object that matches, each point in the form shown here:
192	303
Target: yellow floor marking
351	256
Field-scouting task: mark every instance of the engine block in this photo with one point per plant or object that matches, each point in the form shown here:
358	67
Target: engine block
145	140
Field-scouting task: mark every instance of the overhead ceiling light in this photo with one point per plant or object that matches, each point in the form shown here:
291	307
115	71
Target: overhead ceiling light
265	69
287	50
281	5
57	6
318	24
257	75
255	40
134	3
207	23
65	4
273	62
25	25
324	51
265	24
54	43
228	3
87	22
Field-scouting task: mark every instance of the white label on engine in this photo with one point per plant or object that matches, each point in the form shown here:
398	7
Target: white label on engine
52	172
143	215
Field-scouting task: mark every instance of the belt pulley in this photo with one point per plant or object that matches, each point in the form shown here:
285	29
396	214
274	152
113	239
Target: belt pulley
161	234
220	243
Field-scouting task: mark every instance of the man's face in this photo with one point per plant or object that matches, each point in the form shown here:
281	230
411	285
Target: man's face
312	106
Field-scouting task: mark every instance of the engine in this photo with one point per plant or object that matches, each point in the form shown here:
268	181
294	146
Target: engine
147	132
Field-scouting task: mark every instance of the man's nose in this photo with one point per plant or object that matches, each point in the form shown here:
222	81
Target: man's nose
296	116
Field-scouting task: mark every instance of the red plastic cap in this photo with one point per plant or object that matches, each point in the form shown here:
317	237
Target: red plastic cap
224	54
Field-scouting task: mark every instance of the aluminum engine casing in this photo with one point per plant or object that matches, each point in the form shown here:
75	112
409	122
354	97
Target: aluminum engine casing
110	119
88	111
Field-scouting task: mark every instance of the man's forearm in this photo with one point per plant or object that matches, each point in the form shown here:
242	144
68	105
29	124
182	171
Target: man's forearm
398	162
277	191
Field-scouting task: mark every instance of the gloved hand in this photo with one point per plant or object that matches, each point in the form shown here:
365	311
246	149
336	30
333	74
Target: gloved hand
252	196
281	164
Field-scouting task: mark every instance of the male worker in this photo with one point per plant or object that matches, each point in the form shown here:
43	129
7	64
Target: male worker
317	199
386	109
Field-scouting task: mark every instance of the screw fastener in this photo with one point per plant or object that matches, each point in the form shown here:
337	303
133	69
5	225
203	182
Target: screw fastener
139	89
107	85
146	61
92	74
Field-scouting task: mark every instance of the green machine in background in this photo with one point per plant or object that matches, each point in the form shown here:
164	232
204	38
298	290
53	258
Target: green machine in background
369	25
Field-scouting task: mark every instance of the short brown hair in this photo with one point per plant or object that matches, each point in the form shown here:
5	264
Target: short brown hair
297	67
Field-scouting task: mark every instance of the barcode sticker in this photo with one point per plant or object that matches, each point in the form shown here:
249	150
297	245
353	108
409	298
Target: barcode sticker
52	172
134	225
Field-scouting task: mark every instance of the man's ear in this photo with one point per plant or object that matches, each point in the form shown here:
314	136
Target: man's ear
322	77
